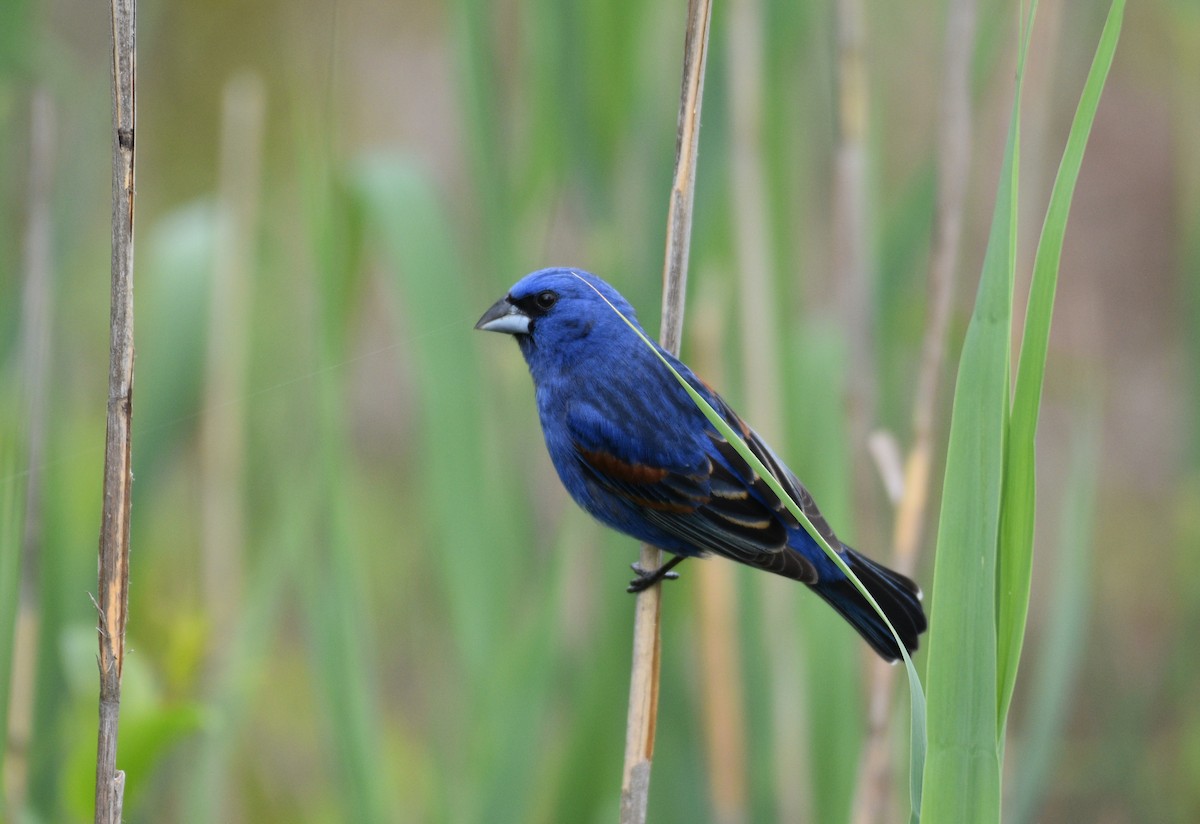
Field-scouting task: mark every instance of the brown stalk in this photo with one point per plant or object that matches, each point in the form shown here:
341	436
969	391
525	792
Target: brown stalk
113	594
643	686
954	157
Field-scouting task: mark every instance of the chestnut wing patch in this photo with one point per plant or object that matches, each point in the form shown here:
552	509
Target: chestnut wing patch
647	486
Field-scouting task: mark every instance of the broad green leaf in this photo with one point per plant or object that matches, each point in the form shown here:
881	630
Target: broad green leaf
962	771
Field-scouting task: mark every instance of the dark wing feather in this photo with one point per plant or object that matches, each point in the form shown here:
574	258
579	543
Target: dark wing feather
710	508
790	483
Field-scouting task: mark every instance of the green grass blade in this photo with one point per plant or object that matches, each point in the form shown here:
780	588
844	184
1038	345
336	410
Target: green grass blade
727	432
962	771
482	95
1016	539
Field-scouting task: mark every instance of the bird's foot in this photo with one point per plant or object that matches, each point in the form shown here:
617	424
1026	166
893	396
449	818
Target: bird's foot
647	578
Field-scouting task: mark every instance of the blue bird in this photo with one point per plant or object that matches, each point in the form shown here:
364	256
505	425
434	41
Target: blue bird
636	453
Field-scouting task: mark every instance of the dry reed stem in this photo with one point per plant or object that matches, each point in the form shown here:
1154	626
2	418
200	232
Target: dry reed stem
647	642
113	595
954	158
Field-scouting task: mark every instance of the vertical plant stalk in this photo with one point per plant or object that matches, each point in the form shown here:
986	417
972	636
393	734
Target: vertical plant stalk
953	163
36	311
852	262
222	446
722	693
113	593
716	609
222	428
643	686
19	673
760	373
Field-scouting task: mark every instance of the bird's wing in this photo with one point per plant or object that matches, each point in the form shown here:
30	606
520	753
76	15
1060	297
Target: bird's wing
786	478
714	501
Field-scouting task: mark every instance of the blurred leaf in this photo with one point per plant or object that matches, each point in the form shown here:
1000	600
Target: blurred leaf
12	521
214	767
483	106
407	219
173	298
16	39
900	295
1066	624
65	615
832	649
332	581
503	668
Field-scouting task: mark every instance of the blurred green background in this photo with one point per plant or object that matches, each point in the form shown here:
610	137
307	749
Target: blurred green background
358	592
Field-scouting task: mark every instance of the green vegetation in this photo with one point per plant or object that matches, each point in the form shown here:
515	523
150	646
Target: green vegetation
358	592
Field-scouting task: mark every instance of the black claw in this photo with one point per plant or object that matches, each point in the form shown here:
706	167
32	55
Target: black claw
648	578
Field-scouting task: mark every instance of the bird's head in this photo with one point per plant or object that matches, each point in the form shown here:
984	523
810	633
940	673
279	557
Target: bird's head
558	312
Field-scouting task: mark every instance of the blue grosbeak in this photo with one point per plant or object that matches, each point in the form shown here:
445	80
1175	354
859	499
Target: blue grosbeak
636	453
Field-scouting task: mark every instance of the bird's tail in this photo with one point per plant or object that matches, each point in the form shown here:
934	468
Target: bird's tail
897	595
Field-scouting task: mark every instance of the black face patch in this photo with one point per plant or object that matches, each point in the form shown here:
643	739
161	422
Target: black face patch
537	304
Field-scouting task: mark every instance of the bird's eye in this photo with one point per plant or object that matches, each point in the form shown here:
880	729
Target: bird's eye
545	300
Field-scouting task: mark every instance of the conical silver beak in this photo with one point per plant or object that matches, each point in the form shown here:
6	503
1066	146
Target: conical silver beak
504	317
